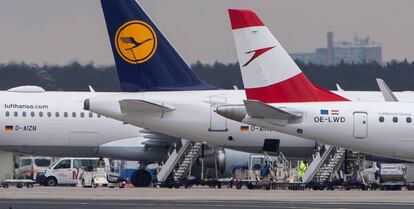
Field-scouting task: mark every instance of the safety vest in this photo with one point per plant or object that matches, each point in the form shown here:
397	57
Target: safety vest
302	169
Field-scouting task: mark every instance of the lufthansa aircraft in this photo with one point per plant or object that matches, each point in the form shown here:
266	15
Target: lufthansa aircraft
167	97
281	98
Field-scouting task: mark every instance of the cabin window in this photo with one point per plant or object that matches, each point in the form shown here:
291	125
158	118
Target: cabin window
82	115
16	114
49	114
90	115
24	114
409	119
381	119
57	114
32	114
65	114
40	114
74	114
7	113
395	119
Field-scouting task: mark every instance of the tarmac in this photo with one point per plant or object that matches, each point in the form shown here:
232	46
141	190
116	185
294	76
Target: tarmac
74	197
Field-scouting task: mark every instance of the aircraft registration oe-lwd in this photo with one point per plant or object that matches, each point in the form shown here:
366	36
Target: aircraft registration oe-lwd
167	97
281	98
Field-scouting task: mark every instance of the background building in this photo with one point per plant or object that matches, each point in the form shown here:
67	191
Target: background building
360	50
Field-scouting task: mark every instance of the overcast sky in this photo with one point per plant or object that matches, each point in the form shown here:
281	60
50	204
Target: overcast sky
59	31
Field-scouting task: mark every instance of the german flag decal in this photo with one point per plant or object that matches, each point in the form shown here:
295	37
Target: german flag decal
8	128
244	128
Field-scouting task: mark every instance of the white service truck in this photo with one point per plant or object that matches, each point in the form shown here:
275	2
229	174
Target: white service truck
65	171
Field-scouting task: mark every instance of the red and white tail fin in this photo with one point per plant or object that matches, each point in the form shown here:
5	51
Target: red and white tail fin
269	73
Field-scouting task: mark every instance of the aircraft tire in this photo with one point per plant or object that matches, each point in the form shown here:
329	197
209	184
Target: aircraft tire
141	178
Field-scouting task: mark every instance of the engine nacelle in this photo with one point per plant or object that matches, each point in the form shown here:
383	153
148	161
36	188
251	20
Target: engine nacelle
226	160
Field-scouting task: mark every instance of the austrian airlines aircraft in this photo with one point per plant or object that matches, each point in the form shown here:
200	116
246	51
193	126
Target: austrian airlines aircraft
281	98
167	97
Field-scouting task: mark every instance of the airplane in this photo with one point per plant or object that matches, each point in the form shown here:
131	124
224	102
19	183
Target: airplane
165	96
40	122
281	98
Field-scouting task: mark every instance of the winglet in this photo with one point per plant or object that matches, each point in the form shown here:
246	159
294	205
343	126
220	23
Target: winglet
338	87
91	89
386	91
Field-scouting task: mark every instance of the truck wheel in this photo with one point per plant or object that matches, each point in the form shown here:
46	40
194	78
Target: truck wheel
239	185
29	185
250	186
51	181
141	178
94	185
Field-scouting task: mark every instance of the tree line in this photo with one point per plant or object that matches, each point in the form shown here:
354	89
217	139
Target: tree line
76	77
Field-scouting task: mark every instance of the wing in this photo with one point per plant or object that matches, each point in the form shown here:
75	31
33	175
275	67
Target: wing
128	40
144	41
157	139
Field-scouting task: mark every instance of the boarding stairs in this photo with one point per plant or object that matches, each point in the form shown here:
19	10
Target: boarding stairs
185	165
326	162
283	167
179	160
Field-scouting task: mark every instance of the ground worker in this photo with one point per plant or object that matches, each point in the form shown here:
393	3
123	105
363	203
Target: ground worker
303	166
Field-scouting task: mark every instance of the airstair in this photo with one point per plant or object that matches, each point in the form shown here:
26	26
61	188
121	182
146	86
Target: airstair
326	162
185	165
283	166
179	160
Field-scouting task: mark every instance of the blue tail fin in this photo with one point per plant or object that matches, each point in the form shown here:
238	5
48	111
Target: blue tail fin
144	58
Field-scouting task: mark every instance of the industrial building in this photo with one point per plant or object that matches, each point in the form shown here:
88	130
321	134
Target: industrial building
359	50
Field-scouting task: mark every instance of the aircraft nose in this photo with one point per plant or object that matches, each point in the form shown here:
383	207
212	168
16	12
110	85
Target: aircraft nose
86	104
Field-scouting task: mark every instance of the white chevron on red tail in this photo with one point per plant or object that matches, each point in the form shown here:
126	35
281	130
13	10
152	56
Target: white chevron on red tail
269	73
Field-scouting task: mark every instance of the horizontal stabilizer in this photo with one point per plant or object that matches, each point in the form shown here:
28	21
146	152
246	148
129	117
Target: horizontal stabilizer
257	109
132	105
386	91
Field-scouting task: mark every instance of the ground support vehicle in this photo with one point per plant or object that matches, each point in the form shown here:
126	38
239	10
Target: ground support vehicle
19	183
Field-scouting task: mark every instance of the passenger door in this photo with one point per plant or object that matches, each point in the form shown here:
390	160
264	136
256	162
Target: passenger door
360	125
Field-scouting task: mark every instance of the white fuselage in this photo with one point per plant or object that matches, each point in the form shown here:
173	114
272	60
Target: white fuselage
381	128
55	124
194	118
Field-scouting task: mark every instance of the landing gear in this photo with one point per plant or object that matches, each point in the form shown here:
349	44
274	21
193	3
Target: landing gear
141	178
